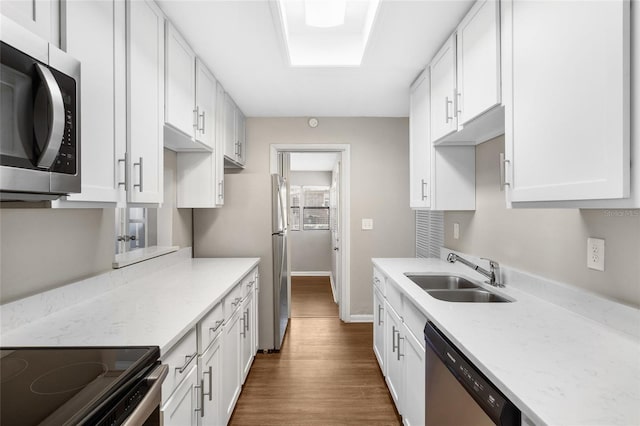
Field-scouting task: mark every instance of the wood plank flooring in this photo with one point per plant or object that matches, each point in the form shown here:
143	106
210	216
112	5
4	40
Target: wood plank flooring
325	374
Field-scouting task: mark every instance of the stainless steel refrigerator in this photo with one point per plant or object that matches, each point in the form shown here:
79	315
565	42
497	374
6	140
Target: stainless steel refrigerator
279	248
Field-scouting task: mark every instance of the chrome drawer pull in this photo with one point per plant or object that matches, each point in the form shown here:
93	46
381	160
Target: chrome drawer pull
188	359
210	373
216	326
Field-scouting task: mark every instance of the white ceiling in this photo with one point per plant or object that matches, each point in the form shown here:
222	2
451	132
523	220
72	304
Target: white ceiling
242	44
312	161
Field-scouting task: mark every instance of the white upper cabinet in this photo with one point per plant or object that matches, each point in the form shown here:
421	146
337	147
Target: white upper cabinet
234	134
466	80
441	177
205	129
567	95
419	144
443	90
478	61
94	33
220	143
41	17
145	101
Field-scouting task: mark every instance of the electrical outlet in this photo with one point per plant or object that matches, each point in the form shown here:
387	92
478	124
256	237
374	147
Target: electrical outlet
456	231
367	224
595	254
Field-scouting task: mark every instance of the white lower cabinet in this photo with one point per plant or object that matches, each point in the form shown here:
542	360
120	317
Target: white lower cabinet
231	365
399	348
378	328
210	370
393	358
413	395
246	335
182	407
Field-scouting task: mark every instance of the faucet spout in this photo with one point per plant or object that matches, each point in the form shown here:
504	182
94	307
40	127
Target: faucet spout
493	274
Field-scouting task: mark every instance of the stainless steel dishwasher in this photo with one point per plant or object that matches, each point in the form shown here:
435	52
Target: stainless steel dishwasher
456	392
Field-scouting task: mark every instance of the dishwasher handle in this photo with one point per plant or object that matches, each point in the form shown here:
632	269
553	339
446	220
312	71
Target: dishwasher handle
492	401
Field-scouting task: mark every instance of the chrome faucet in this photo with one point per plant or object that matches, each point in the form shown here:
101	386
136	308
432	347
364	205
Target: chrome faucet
493	273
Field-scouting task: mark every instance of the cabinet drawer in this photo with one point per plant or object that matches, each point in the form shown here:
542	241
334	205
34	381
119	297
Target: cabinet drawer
415	321
180	359
210	327
232	301
248	283
379	280
393	296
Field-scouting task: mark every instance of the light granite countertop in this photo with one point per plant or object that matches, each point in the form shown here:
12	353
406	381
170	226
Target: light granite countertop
156	307
557	366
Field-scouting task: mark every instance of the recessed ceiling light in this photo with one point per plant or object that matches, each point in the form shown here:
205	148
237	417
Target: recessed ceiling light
326	33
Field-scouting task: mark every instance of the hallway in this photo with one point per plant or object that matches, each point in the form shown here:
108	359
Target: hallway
325	374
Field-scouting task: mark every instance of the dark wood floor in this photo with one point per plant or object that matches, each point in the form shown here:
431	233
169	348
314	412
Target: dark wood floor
325	374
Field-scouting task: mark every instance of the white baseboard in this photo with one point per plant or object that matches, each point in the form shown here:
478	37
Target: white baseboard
310	273
361	318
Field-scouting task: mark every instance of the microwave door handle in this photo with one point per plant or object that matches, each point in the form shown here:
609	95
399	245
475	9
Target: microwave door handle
56	118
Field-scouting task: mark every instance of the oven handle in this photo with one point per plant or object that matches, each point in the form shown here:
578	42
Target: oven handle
151	400
56	118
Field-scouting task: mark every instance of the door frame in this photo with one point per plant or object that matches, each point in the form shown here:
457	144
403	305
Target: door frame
345	210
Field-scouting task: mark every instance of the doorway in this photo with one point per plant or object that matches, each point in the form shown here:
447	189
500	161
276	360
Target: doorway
318	212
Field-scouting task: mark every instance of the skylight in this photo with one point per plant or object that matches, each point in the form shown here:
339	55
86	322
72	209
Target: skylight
327	33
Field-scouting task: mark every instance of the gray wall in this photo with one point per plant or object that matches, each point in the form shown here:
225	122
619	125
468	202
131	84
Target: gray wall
548	242
310	249
379	190
42	248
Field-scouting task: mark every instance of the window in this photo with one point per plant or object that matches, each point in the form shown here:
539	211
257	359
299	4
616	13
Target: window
314	202
134	227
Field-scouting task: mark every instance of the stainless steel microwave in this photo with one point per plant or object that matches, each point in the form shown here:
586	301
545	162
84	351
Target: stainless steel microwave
39	117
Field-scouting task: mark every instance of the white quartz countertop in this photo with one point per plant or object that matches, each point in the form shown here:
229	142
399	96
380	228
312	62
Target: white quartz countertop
156	309
558	367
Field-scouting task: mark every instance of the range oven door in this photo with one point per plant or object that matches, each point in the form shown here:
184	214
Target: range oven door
39	137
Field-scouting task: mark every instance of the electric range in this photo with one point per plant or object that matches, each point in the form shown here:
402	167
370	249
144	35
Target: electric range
80	385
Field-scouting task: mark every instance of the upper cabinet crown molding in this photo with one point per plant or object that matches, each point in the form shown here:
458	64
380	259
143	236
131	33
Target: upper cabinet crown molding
567	96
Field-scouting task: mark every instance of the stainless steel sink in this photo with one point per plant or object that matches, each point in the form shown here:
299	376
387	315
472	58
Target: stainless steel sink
440	282
469	295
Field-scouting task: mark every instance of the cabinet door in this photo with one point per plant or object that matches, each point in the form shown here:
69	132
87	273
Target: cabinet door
419	144
230	366
413	401
211	369
378	328
41	17
240	137
205	105
145	72
478	61
230	145
443	84
182	407
246	335
180	83
94	33
567	103
220	143
393	360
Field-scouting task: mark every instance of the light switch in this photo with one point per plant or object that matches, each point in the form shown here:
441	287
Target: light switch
367	224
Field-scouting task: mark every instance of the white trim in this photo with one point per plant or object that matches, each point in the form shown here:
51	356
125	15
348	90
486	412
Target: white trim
345	197
310	273
361	318
333	288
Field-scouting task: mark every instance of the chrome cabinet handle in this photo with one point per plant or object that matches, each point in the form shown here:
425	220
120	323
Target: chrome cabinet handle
187	361
393	337
216	326
201	387
503	171
221	190
210	373
446	108
399	338
250	284
126	171
139	185
236	301
243	333
423	191
203	121
380	322
376	280
458	98
196	118
246	323
56	116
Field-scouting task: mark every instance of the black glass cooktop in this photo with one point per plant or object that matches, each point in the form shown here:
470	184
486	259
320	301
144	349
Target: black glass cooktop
66	385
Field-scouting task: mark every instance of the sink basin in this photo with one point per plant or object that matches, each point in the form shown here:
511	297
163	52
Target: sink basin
440	282
471	295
